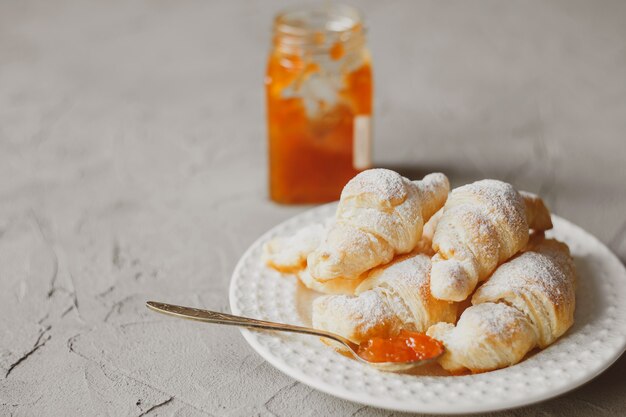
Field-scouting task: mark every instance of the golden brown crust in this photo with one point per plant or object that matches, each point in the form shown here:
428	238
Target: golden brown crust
333	287
537	214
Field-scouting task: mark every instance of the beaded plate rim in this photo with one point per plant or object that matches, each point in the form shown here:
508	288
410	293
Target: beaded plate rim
257	291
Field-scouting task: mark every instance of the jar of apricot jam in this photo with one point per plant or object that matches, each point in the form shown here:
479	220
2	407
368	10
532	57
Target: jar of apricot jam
319	103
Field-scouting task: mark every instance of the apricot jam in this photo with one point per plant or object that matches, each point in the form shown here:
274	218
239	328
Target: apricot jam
319	104
405	347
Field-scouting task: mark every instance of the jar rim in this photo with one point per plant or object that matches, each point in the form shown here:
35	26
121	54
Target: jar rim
318	26
303	19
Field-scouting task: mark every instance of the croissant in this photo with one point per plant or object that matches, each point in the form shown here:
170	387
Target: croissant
393	297
482	225
288	254
380	214
529	301
487	336
349	286
541	283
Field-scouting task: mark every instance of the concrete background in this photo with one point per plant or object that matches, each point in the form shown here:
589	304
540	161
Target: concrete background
133	167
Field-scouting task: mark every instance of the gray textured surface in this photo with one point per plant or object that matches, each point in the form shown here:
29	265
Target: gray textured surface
132	167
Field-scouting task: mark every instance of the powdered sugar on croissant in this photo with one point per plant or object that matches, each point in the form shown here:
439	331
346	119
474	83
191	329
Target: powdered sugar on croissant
380	214
391	298
541	283
487	337
528	301
482	225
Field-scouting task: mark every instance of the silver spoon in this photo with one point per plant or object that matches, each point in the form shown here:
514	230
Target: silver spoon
228	319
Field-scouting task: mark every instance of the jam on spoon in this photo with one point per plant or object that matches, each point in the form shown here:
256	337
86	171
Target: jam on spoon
405	347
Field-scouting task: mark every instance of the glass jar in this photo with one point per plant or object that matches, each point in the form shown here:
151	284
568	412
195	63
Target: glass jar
319	103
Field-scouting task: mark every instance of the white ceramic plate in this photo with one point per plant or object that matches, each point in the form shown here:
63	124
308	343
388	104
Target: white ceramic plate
596	340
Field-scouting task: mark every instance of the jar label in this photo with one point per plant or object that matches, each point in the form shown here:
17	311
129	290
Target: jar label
362	142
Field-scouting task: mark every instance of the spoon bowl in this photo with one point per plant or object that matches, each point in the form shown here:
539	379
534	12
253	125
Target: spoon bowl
215	317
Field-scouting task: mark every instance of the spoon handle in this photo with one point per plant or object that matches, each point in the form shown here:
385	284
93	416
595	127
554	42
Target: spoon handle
231	320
